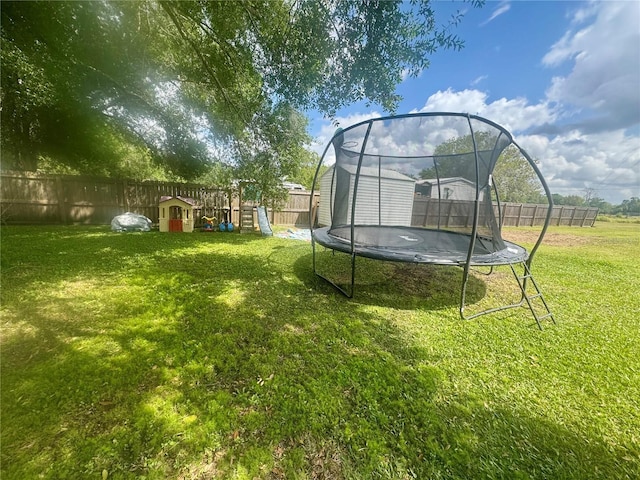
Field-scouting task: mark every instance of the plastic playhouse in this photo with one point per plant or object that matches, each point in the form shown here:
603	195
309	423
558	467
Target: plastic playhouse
177	214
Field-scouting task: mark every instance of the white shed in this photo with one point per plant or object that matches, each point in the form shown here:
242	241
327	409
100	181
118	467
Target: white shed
453	188
385	197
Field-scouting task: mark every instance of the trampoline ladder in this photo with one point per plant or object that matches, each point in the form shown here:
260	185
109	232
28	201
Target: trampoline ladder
531	299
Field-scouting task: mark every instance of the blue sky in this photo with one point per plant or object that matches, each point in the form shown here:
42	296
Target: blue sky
562	76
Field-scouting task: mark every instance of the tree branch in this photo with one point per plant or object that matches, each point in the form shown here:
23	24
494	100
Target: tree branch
176	21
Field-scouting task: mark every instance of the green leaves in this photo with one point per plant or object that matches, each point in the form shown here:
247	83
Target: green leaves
94	74
194	83
273	149
514	178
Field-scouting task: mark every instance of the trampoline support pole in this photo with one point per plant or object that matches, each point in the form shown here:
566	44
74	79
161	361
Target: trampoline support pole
474	228
335	285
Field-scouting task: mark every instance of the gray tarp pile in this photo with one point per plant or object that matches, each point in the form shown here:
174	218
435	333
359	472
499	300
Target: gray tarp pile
130	222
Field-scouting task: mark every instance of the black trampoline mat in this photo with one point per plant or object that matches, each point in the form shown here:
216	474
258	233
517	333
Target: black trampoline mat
417	245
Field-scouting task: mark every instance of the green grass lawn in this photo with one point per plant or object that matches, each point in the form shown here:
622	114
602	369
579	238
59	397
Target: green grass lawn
198	356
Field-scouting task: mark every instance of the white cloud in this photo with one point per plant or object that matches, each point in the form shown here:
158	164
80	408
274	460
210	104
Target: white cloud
570	161
481	78
605	78
328	129
503	7
574	161
514	115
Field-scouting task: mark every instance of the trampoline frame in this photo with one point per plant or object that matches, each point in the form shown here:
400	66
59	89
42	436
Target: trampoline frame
351	248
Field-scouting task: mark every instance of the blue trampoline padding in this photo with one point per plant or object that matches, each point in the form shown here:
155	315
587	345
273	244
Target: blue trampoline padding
418	245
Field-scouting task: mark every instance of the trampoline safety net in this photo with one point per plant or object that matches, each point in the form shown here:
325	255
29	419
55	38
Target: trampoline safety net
417	188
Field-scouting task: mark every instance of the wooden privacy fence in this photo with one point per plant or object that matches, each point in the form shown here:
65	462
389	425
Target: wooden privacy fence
459	213
66	199
430	212
55	199
522	215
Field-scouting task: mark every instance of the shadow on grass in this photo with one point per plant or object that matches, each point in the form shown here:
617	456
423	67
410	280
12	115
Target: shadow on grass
96	251
142	378
391	284
223	360
497	441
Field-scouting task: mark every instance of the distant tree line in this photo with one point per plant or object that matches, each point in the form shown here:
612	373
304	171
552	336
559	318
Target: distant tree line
629	207
514	179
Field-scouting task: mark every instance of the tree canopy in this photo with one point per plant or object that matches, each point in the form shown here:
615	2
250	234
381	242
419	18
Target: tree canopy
514	178
185	85
628	207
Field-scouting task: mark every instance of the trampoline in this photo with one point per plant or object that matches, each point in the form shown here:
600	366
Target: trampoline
420	188
417	245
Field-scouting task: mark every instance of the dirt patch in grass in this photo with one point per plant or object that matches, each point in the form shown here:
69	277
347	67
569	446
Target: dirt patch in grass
551	238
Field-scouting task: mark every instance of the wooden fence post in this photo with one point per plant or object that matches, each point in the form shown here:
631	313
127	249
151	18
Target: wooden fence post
449	213
62	204
573	215
560	215
125	195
